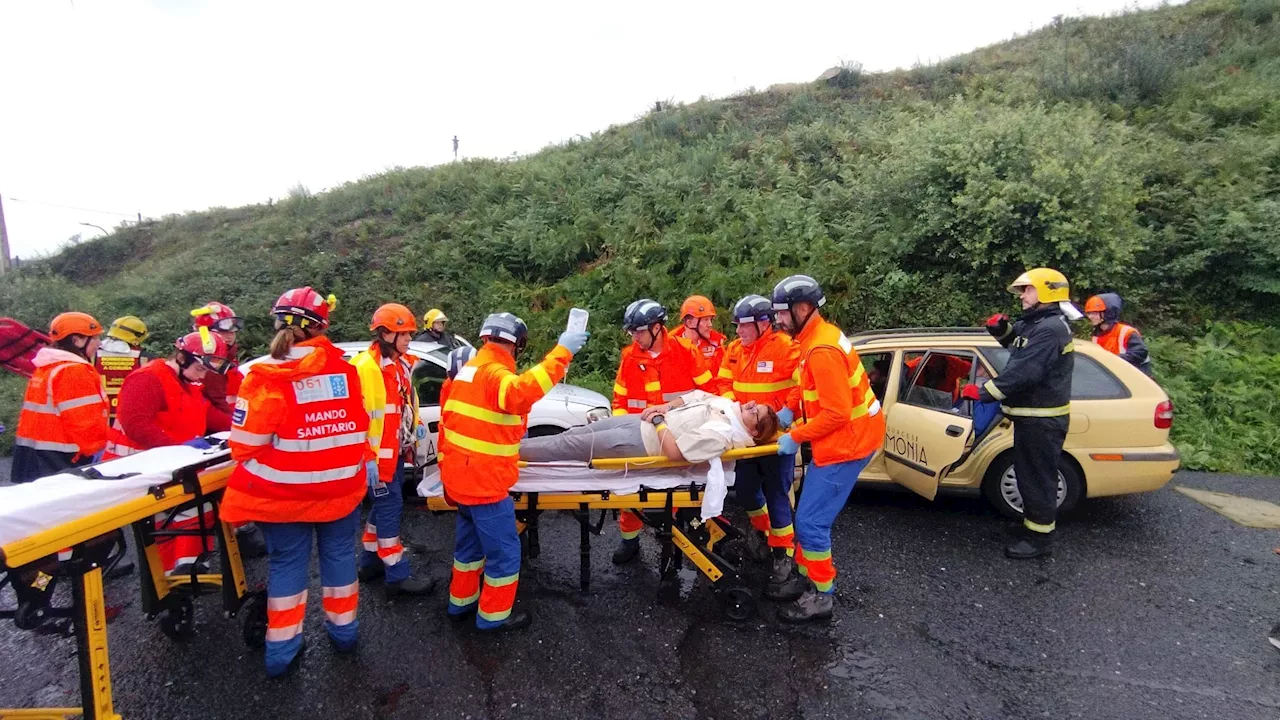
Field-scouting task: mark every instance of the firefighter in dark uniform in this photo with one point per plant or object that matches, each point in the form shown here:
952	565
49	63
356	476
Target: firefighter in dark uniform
1034	391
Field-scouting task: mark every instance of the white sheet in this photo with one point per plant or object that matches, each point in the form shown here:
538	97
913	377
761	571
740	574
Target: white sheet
570	477
46	503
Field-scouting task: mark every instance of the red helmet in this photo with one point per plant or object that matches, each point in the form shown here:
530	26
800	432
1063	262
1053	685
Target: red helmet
216	316
306	304
209	349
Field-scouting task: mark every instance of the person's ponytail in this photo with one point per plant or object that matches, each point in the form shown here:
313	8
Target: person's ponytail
283	342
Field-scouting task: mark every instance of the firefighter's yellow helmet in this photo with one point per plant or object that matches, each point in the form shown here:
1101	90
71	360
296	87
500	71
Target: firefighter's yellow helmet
1051	286
129	328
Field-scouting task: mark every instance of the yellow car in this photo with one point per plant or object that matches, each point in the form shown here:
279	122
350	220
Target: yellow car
1118	442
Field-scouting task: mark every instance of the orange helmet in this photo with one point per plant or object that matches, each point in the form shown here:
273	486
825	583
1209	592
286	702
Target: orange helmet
1095	304
395	318
74	323
698	307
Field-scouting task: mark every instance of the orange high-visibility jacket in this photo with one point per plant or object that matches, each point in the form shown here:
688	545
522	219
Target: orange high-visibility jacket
841	418
183	418
300	435
1116	339
484	418
65	408
763	371
387	387
713	352
645	380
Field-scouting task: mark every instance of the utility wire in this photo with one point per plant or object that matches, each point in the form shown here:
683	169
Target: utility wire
69	207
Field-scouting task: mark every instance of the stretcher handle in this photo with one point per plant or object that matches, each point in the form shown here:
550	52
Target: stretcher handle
659	461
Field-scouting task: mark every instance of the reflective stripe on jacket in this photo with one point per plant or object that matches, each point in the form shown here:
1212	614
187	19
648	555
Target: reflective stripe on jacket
380	383
645	380
763	371
182	418
65	406
840	415
300	435
484	418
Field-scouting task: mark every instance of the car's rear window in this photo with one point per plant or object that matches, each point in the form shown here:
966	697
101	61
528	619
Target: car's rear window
1089	380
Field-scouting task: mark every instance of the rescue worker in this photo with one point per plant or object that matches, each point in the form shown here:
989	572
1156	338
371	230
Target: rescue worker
759	366
1034	391
481	424
697	316
120	354
841	421
220	390
658	366
1114	336
63	422
162	404
394	428
434	331
300	438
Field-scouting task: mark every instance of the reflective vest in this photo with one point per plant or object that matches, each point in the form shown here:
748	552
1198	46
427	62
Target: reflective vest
1116	340
114	366
831	379
65	407
183	417
386	386
645	380
763	371
484	418
300	435
713	352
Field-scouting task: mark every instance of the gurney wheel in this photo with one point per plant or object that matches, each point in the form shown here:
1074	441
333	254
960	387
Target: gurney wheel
29	615
254	624
179	622
739	604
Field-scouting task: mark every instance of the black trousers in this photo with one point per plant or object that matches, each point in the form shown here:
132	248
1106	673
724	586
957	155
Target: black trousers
1037	447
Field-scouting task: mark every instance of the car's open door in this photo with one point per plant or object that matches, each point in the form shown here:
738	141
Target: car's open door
929	428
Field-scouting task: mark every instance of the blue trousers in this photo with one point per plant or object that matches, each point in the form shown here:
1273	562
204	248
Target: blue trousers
766	481
485	542
288	577
826	489
381	537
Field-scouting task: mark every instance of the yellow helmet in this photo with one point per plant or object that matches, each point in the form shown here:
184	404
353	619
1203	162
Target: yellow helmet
1051	286
129	328
432	316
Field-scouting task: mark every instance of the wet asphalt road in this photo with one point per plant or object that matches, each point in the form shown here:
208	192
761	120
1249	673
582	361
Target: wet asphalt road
1153	607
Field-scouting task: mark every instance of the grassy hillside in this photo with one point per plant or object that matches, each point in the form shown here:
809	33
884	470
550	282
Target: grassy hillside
1138	153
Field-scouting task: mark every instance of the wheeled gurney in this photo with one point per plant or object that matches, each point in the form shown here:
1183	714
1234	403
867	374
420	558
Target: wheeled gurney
680	500
67	526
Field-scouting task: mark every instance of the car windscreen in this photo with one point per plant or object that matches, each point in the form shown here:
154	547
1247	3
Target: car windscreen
1089	380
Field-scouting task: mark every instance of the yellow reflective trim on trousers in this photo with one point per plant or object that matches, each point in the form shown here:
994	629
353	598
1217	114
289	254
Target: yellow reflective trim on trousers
703	379
495	617
1070	347
757	512
479	413
543	377
652	386
467	567
782	531
463	602
990	386
481	446
619	389
1037	412
810	395
824	587
811	555
499	582
1037	527
763	387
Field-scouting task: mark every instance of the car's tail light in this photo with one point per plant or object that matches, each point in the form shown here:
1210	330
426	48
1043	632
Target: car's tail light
1164	415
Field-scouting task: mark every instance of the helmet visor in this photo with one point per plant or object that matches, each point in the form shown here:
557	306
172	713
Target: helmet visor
219	365
231	324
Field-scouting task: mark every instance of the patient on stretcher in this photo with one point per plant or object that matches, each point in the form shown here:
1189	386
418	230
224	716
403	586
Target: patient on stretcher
696	427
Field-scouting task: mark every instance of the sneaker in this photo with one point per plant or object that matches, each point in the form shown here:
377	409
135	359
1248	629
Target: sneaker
811	606
410	586
517	620
626	552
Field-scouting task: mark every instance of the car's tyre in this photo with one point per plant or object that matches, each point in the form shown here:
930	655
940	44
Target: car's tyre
1000	486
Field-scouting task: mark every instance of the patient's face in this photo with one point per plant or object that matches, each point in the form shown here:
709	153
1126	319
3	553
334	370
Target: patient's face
752	412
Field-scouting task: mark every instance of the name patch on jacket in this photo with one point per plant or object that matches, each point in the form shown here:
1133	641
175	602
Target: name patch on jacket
242	410
321	388
764	366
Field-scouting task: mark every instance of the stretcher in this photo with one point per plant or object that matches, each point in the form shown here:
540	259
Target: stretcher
681	501
68	526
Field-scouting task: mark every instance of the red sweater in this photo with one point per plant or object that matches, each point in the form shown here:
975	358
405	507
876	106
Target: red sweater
146	400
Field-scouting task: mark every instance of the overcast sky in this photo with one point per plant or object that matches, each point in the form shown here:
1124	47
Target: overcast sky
113	107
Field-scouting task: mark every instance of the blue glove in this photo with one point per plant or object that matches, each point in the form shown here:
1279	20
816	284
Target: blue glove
573	341
786	417
198	443
371	472
420	431
787	446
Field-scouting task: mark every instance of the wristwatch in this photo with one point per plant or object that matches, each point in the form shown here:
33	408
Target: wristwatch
658	420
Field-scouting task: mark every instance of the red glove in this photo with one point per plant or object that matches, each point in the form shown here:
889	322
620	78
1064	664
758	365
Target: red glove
998	325
970	392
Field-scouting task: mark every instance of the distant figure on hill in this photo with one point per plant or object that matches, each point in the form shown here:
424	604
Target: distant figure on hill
455	147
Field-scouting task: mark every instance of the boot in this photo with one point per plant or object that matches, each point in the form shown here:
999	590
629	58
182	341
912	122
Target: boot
785	583
1030	545
252	544
755	547
626	552
466	614
1274	637
811	606
517	620
410	586
372	571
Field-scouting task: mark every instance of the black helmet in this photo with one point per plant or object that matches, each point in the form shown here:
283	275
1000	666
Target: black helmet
752	308
505	326
459	358
643	313
797	288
